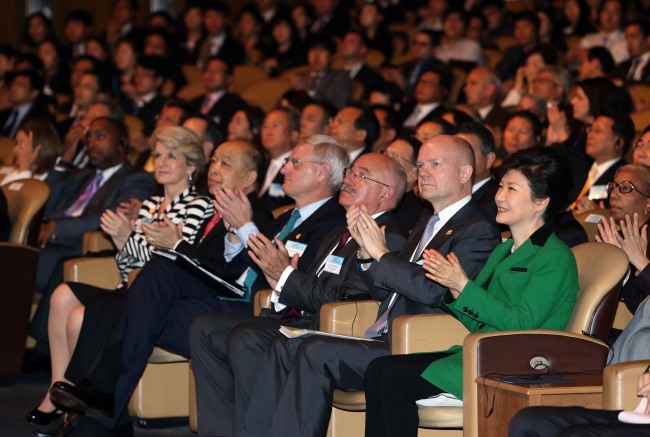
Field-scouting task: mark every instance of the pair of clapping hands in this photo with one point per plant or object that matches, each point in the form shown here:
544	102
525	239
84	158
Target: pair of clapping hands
371	239
632	239
119	225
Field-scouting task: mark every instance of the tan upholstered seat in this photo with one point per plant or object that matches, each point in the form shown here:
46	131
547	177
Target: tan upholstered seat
620	383
265	93
25	201
7	150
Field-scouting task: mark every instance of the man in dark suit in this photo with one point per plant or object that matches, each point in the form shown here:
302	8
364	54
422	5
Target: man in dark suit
637	68
354	50
313	176
422	53
281	399
217	41
223	394
25	97
77	201
608	140
412	207
331	19
280	132
147	102
482	88
484	187
321	81
217	103
356	127
431	90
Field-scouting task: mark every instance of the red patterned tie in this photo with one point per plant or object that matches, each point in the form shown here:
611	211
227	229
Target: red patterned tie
211	224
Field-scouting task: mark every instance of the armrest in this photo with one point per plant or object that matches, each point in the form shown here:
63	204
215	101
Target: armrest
262	300
100	272
422	333
96	241
348	318
132	275
619	385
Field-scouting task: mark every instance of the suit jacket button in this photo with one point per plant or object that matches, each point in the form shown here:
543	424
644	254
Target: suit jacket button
465	309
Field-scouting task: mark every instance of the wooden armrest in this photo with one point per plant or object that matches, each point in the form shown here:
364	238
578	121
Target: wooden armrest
262	300
619	385
348	318
426	333
101	272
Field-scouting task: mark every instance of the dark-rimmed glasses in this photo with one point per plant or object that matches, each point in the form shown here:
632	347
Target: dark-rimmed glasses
624	187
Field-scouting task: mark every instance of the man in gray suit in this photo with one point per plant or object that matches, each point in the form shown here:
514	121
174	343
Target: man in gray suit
375	181
297	377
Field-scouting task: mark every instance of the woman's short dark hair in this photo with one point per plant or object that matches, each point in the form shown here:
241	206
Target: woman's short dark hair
548	176
604	96
531	118
255	118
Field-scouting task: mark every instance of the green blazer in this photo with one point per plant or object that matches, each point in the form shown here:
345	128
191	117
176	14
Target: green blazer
532	288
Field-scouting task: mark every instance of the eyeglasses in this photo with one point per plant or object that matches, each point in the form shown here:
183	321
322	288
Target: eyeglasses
396	156
624	187
599	131
298	162
356	174
642	145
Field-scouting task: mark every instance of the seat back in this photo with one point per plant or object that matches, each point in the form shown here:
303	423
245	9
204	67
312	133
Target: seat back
589	221
277	212
7	150
97	241
265	93
18	270
601	268
25	201
348	318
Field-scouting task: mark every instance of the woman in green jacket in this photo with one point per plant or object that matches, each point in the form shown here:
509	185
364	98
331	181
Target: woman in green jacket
529	282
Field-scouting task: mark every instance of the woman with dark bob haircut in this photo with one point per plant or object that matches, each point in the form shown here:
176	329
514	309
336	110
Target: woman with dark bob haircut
529	282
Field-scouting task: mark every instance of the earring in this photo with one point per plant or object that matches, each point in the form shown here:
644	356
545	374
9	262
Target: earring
190	177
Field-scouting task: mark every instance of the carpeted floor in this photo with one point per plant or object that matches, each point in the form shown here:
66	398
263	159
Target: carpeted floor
19	398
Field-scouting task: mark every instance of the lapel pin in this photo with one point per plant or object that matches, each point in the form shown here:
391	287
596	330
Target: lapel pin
298	236
449	232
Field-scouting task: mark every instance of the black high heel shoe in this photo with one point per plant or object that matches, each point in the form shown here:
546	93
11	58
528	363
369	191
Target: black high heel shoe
38	417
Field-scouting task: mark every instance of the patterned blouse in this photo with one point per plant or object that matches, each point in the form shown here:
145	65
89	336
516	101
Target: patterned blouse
187	209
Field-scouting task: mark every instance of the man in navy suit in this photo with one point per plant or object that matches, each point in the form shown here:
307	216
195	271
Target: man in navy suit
25	97
354	51
637	68
148	79
77	201
218	103
356	127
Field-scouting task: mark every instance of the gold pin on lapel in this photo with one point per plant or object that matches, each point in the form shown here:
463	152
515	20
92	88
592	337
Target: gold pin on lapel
298	236
449	232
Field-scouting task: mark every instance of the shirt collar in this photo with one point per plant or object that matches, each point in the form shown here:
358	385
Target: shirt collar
479	184
308	210
452	209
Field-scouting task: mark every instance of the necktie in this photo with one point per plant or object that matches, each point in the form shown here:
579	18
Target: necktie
78	206
344	239
211	224
426	236
8	128
251	276
413	119
591	177
631	74
381	324
207	105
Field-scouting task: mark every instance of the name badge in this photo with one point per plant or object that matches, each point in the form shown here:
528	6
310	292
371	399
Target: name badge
598	192
275	190
333	264
294	247
593	218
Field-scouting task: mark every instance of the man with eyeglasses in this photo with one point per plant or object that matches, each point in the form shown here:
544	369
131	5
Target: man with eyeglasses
356	127
608	139
297	377
227	349
431	90
551	84
422	58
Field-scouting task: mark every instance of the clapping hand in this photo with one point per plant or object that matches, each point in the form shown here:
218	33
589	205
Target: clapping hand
163	235
117	225
445	271
272	258
365	231
234	206
634	240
